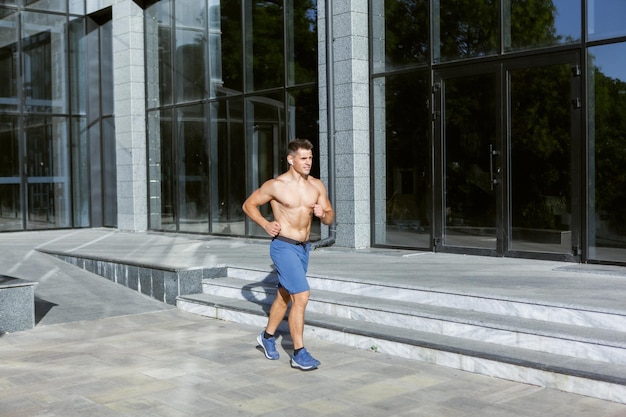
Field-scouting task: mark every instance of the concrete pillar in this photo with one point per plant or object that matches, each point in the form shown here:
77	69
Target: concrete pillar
130	115
352	137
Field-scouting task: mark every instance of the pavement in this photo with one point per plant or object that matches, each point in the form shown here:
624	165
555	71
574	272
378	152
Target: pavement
100	349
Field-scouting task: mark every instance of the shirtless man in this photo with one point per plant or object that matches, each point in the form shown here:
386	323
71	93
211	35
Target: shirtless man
295	197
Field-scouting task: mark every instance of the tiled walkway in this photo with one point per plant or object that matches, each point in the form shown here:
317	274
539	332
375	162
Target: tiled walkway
171	363
104	350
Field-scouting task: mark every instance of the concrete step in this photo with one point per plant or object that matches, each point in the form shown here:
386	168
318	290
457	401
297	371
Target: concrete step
581	376
528	308
571	348
540	335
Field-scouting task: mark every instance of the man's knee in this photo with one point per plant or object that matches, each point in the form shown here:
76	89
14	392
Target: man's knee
300	298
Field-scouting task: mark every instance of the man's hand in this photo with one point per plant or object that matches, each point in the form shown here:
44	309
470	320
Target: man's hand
318	211
272	228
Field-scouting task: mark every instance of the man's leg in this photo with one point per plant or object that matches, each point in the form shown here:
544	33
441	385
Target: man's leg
301	358
296	318
277	313
278	310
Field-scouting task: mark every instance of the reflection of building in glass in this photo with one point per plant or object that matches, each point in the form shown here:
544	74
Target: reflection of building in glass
488	128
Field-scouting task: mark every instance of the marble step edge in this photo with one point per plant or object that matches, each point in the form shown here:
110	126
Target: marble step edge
516	357
494	321
516	307
356	285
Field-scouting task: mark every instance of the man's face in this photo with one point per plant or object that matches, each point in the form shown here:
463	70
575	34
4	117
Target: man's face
302	161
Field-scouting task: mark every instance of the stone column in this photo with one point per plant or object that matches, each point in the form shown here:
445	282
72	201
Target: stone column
352	136
130	115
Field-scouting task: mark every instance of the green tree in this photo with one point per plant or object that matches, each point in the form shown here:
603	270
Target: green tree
406	32
468	28
610	150
532	24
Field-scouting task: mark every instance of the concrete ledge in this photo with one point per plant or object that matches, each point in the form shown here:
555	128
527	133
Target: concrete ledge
17	304
163	284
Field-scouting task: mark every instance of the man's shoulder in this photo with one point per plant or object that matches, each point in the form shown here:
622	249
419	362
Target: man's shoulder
275	183
279	180
287	179
316	182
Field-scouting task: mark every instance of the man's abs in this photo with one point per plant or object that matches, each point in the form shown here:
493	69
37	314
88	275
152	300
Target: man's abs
294	223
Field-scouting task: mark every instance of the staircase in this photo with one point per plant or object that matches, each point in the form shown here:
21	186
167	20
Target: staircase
569	348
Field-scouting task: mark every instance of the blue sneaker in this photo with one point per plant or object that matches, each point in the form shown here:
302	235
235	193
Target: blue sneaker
268	345
304	361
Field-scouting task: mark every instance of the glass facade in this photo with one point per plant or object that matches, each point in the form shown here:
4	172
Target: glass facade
228	85
56	65
605	19
544	23
607	151
496	126
488	135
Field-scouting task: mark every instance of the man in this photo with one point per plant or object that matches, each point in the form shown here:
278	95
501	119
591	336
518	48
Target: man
295	197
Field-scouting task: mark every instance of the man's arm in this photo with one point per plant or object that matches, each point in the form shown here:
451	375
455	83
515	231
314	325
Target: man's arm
323	209
262	195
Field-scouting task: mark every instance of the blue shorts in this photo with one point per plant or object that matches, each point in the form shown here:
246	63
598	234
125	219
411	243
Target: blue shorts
291	261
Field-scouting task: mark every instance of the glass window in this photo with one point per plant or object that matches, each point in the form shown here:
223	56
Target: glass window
215	74
541	138
10	207
44	62
159	68
47	170
190	50
402	207
605	19
301	41
469	118
541	23
80	172
264	45
160	170
205	55
106	67
77	7
266	145
193	169
400	33
607	152
228	156
465	29
109	173
9	167
227	49
47	5
8	60
92	72
303	118
78	71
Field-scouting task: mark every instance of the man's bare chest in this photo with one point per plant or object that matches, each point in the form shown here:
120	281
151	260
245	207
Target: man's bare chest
297	197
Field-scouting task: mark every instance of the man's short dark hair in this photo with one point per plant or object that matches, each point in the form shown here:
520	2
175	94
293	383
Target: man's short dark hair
294	145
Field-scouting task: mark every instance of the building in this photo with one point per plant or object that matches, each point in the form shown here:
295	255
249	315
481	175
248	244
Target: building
491	127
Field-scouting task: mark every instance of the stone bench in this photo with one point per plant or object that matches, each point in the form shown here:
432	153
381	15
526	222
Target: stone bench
17	304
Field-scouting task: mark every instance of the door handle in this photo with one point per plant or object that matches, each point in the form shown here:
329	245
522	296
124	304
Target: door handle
492	176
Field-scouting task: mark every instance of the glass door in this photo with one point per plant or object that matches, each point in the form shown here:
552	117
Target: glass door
543	145
467	133
507	165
